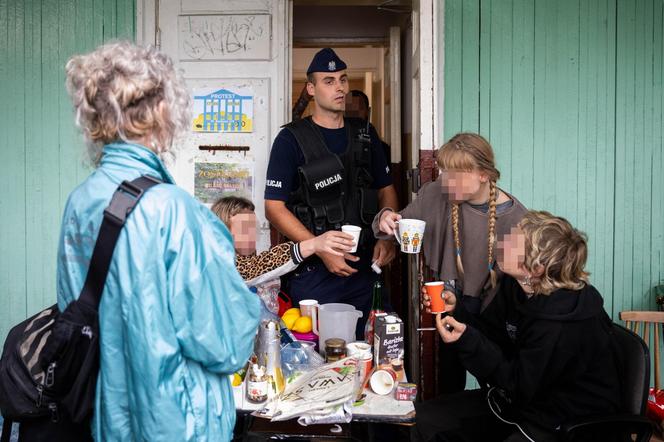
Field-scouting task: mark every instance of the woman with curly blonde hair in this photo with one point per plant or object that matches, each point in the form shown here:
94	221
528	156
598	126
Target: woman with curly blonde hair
544	344
175	318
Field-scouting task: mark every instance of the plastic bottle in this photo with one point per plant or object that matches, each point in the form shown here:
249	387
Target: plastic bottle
376	308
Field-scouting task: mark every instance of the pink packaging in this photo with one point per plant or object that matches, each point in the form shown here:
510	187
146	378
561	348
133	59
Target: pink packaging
405	391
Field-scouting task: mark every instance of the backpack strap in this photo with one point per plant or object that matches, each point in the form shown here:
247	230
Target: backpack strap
125	198
6	430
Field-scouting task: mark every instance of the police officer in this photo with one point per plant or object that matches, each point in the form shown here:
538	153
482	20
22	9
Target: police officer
326	171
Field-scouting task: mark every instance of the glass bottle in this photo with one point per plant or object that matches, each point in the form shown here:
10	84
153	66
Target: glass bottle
257	387
376	308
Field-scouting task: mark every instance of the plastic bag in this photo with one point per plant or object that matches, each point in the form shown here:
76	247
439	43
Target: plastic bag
341	414
298	358
317	392
269	294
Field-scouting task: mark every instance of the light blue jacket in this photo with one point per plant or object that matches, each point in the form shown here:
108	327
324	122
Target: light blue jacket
175	316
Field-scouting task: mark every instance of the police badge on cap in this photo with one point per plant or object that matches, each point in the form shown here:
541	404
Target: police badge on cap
326	60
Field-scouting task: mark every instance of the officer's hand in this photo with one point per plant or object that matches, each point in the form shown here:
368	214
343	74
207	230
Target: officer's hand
383	253
337	264
388	221
449	328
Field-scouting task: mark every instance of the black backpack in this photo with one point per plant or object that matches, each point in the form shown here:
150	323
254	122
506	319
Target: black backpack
50	361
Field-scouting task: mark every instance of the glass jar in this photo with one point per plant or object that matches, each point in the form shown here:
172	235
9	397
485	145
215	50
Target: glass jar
335	349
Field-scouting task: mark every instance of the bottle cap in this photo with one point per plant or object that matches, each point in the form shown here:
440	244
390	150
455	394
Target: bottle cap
376	268
258	371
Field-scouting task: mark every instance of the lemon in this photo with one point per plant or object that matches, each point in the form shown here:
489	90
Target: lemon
292	311
289	320
302	324
237	380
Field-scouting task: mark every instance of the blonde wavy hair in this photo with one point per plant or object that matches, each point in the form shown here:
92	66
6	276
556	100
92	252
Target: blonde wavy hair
560	250
467	152
122	91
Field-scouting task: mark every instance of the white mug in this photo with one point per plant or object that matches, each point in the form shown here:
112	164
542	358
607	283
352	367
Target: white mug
409	234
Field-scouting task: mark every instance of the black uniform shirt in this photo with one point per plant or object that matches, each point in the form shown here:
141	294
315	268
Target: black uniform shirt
286	156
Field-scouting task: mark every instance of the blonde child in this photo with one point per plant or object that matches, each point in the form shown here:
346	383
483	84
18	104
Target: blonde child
544	341
256	269
464	210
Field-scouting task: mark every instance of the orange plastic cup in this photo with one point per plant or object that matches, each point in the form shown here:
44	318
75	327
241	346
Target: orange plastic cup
435	291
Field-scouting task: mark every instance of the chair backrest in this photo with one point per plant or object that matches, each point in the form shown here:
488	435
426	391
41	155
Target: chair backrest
643	323
634	369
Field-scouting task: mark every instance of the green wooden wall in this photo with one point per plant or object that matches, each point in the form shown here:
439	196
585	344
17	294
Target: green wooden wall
569	92
41	152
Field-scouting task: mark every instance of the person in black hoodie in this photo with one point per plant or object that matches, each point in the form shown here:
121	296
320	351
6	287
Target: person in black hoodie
543	345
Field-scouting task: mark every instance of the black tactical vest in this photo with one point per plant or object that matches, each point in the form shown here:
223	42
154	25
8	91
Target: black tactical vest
334	189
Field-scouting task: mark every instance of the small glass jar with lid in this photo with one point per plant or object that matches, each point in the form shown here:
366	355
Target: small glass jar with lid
335	349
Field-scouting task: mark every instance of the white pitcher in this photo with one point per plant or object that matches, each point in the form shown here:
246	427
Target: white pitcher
336	320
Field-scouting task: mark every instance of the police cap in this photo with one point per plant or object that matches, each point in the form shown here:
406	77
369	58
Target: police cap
326	60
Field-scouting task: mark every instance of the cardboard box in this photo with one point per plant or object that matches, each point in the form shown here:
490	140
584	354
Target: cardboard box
405	392
389	343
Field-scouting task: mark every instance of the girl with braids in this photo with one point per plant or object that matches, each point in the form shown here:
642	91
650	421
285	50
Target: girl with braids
544	345
464	210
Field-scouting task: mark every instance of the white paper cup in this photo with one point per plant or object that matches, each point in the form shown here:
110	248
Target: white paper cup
358	349
355	231
382	382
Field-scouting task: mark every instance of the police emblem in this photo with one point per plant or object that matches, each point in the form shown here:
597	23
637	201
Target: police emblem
331	65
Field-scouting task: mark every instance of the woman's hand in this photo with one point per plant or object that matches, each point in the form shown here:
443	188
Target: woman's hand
388	221
332	242
450	300
450	329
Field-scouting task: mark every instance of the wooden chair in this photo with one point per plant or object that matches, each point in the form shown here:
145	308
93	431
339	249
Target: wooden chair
640	323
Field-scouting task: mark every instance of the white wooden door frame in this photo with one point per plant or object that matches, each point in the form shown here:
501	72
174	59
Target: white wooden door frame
428	69
424	137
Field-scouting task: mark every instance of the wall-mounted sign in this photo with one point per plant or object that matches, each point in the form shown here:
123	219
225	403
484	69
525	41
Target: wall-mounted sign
216	180
223	110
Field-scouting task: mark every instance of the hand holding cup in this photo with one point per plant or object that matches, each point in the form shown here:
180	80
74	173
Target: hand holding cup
388	222
448	297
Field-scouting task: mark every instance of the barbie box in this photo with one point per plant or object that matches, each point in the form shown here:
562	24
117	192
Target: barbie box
388	342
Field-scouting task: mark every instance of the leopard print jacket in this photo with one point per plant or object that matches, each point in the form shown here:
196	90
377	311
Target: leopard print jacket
258	268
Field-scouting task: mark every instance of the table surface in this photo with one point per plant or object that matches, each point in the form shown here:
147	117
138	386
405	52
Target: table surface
376	408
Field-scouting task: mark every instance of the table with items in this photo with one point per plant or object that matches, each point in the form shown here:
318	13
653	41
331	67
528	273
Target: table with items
288	381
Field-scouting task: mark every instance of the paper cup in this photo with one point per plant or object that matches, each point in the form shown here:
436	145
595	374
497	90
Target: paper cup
435	291
355	231
410	233
358	349
382	381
